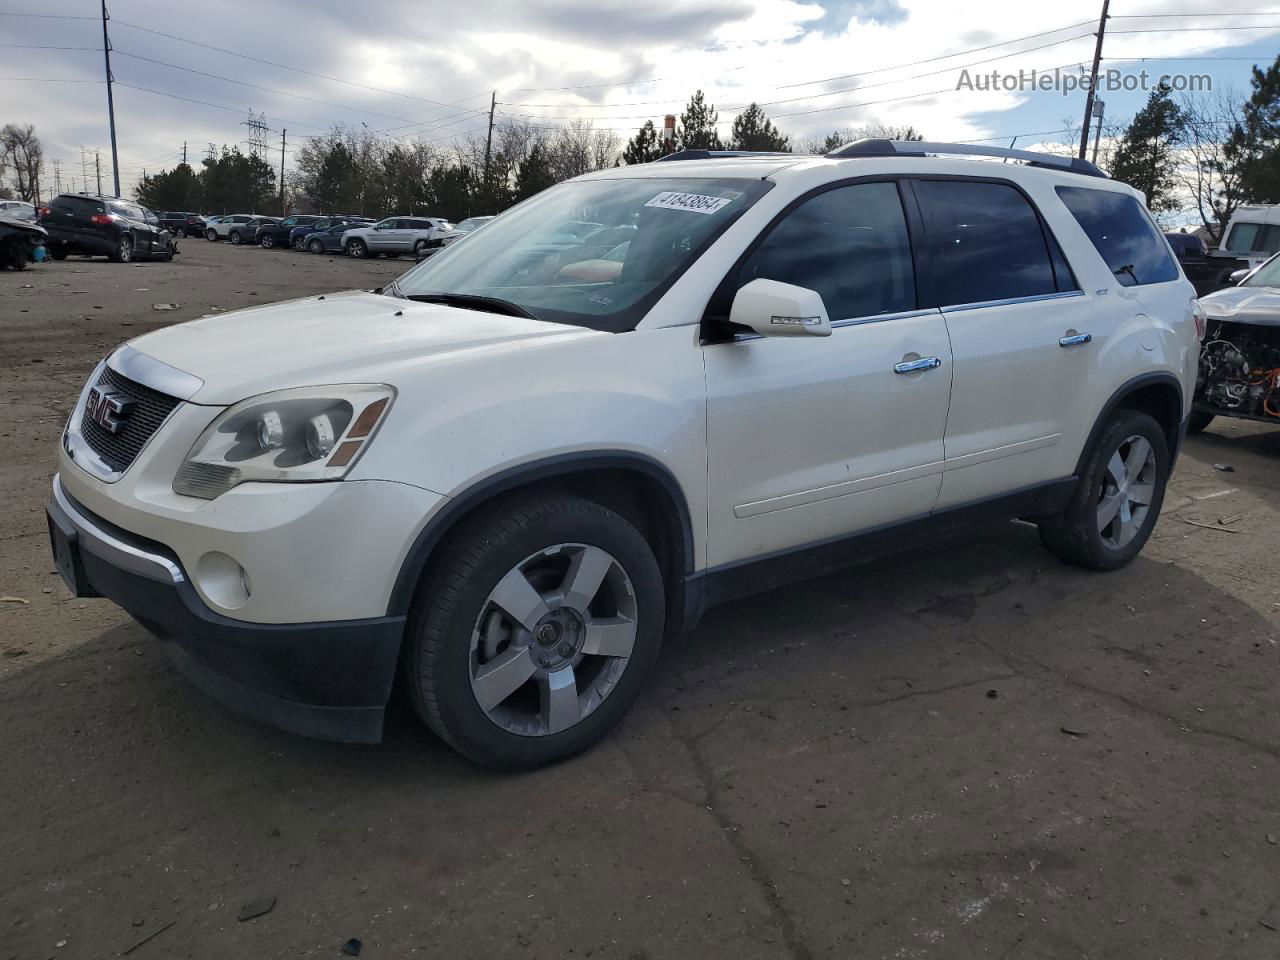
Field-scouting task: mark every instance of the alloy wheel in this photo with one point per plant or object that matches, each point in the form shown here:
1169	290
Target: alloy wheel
356	249
553	639
268	240
126	249
1128	487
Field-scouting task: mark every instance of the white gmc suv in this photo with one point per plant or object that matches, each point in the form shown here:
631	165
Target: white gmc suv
502	479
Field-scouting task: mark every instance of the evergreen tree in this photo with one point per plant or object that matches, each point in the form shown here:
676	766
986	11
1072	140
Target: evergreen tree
1146	157
1253	147
752	130
697	128
533	175
451	190
176	189
644	146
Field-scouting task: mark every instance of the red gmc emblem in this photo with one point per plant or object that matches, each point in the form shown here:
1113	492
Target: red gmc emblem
108	408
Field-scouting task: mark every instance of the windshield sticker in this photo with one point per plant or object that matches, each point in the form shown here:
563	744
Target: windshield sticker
693	202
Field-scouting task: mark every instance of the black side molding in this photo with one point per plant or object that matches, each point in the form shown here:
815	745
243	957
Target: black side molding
728	582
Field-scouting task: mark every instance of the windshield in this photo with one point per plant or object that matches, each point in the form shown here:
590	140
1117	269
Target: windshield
1267	275
592	253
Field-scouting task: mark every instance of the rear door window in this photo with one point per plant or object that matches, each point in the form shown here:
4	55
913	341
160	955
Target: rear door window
1122	232
988	243
850	244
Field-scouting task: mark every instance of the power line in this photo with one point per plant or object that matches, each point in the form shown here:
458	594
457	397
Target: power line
45	16
1256	26
38	46
283	66
1155	16
219	106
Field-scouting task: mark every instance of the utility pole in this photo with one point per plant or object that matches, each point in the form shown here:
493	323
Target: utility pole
57	175
184	151
284	212
1093	80
97	166
488	143
1102	107
111	106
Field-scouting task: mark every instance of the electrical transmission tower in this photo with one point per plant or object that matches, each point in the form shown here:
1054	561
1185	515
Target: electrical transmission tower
258	130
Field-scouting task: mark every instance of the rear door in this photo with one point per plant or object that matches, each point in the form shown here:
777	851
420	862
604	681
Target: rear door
1020	331
810	439
70	217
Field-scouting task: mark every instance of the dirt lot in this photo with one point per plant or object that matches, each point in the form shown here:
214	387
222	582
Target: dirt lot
975	752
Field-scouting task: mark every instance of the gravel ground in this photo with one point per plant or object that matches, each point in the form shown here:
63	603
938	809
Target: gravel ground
969	752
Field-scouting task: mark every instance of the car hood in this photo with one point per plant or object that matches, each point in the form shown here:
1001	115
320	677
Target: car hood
1258	305
353	337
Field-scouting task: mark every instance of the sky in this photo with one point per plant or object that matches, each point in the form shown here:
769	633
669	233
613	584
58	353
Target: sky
426	70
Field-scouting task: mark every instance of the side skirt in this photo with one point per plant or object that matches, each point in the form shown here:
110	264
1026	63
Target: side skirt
717	585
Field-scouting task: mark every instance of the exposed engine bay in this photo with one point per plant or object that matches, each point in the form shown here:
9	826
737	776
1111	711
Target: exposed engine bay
1240	370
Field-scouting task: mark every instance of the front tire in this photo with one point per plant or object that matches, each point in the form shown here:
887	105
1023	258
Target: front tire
211	235
182	233
300	244
1117	501
534	636
268	241
357	249
315	246
1198	421
235	237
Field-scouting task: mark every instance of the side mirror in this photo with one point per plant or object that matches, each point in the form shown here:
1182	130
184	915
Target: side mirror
774	309
1238	275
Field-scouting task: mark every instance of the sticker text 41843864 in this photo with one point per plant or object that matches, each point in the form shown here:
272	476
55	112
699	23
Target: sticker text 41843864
692	202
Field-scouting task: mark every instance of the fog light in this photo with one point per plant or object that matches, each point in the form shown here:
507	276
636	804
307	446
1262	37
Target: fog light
223	581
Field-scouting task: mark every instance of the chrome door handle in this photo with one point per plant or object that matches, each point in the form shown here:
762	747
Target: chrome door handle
915	366
1075	340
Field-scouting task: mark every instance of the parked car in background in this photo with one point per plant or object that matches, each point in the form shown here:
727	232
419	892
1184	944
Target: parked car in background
469	225
92	225
18	209
1206	273
182	224
276	234
236	227
395	236
499	485
330	239
298	235
1253	234
1239	371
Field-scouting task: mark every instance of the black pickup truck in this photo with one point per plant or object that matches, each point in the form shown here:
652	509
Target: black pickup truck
1206	272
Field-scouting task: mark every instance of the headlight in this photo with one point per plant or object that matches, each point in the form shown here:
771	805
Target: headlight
291	436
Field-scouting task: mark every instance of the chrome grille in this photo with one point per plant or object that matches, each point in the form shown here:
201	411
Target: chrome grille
150	409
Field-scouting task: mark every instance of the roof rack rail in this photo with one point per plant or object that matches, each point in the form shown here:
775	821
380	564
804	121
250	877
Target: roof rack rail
720	154
922	148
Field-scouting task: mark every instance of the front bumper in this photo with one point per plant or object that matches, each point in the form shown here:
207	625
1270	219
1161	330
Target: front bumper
330	680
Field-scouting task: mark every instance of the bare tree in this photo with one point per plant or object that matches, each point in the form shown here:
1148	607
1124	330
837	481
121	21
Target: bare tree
1213	184
20	150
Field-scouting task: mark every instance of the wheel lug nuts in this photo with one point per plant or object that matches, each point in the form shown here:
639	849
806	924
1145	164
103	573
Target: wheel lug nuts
566	650
544	660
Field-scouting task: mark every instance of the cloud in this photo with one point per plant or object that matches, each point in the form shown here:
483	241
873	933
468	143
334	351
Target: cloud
837	14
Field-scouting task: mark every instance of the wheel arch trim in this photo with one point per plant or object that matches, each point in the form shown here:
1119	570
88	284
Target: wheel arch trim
461	504
1173	431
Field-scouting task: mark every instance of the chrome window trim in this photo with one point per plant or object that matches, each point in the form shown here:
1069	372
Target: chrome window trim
153	373
850	322
1009	301
111	548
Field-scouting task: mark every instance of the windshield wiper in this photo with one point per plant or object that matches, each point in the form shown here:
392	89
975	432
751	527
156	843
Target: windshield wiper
470	301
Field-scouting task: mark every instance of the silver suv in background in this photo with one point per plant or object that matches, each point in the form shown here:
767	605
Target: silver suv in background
395	236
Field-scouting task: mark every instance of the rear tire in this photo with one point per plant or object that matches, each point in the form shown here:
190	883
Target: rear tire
1117	501
300	244
58	253
1198	421
585	572
123	252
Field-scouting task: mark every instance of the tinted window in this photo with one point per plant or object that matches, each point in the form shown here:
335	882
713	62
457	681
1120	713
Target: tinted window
850	244
1123	233
1254	238
77	205
988	241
